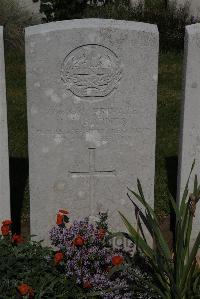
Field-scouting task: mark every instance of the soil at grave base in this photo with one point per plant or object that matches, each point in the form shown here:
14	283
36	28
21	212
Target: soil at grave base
164	221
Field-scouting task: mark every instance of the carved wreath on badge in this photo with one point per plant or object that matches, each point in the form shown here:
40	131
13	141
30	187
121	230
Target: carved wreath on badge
91	71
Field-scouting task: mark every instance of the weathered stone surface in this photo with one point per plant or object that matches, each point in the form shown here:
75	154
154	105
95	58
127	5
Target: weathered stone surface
92	89
190	125
4	167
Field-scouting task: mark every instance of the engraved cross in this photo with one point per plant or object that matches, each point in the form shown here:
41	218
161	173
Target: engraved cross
92	173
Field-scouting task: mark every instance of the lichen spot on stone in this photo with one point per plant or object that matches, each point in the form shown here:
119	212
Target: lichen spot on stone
52	95
155	77
73	116
37	84
45	149
122	201
34	110
93	137
58	139
81	194
77	99
60	186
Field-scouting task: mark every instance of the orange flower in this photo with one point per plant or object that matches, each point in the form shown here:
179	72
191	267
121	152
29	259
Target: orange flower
16	239
87	285
58	257
64	212
59	219
101	233
5	230
7	222
117	260
79	241
25	289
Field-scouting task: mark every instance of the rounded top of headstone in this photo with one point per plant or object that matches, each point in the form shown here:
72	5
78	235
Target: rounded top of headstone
193	29
94	23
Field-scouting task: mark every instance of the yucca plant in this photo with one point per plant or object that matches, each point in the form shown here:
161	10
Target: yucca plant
176	274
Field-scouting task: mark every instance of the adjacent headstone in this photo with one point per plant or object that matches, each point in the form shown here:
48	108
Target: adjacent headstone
193	6
31	6
4	165
92	90
190	124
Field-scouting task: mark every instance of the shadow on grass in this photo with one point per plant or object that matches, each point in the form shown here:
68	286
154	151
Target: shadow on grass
18	179
171	164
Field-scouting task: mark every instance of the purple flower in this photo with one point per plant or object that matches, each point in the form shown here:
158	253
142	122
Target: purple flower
89	263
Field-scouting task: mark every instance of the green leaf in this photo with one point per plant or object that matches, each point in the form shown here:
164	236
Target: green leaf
191	260
137	238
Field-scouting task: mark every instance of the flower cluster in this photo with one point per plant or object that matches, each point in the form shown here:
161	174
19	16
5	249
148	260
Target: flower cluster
6	227
87	256
6	232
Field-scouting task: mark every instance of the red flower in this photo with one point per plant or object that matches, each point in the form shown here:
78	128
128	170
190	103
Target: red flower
16	239
79	241
7	222
117	260
87	285
59	219
58	257
25	289
64	212
5	229
101	233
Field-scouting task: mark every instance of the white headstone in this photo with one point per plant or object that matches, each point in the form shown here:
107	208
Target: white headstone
190	124
4	165
92	90
194	6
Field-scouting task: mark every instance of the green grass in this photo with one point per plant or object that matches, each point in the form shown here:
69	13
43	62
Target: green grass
169	97
16	101
168	120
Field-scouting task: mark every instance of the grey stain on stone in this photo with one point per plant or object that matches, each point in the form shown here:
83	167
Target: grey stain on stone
194	85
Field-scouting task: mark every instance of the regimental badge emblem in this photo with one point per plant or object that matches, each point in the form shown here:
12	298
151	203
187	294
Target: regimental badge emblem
91	71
